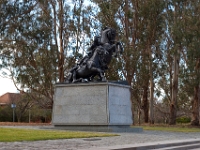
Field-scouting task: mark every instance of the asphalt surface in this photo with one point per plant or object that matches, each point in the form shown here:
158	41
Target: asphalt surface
95	143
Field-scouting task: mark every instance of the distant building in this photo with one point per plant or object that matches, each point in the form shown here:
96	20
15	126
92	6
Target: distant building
9	98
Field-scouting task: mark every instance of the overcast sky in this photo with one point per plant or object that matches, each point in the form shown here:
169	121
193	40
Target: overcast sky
6	85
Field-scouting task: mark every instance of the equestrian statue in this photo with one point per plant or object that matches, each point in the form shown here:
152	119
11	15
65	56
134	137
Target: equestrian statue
96	62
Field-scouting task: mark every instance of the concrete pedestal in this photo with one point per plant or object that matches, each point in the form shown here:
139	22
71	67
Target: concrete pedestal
90	105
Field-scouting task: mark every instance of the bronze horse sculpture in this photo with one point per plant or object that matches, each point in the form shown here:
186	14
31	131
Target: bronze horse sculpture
96	63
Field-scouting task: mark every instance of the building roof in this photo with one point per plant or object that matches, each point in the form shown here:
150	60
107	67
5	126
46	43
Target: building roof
9	98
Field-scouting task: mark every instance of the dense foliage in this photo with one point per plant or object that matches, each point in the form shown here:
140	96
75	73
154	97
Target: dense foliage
41	40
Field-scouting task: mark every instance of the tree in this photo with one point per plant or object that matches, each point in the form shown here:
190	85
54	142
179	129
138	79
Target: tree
41	33
192	58
174	37
138	23
22	105
27	49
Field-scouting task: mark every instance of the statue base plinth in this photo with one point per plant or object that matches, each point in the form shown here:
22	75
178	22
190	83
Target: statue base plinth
97	128
98	106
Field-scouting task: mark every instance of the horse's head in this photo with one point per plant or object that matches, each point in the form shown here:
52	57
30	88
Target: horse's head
108	35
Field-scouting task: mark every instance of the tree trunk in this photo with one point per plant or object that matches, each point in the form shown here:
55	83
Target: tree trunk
132	105
173	104
61	57
195	107
145	104
199	101
139	116
151	110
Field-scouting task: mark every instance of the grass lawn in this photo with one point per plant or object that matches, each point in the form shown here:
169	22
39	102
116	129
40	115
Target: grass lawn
13	135
176	128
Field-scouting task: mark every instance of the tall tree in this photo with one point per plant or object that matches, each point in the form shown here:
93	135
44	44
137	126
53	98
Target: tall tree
191	70
174	36
138	23
37	42
27	47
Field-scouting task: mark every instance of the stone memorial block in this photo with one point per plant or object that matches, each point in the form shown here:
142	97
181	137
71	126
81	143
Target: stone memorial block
101	103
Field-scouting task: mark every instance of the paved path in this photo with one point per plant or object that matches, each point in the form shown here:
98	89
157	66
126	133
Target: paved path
93	143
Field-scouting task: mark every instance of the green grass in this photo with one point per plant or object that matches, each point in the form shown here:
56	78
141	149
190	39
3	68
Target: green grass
13	134
185	129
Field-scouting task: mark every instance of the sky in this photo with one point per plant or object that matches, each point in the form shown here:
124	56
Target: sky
6	85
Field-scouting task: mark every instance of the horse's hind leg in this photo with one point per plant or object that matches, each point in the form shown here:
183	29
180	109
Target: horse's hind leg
101	73
74	76
74	79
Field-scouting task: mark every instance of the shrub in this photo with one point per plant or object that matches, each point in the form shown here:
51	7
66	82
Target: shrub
183	119
6	114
